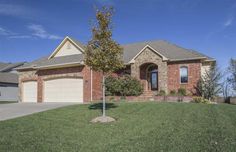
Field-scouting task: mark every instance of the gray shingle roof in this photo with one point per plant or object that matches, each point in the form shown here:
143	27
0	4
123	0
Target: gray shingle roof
5	75
3	65
8	77
78	58
45	62
171	51
33	64
11	66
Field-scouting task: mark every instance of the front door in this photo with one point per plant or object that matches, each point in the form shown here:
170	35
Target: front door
154	80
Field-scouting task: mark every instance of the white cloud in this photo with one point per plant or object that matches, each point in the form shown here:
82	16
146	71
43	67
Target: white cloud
37	31
228	22
40	32
12	35
20	37
5	32
13	10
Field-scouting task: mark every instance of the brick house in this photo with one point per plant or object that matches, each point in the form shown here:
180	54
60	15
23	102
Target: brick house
63	76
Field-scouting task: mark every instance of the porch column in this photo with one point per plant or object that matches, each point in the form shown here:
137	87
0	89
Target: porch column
135	71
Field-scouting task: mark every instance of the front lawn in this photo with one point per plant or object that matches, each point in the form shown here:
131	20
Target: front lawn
139	127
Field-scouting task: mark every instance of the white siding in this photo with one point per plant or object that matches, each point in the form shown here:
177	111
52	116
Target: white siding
63	90
67	49
29	91
8	92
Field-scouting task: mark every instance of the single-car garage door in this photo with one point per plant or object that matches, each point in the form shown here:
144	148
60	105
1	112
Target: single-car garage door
29	92
63	90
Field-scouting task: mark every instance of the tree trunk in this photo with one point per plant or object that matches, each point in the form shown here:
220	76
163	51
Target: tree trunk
103	97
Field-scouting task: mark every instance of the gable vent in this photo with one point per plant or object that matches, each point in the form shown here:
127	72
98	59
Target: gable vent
68	46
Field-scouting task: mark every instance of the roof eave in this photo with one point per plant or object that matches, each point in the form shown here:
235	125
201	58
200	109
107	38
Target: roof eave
210	60
187	59
8	82
60	65
25	68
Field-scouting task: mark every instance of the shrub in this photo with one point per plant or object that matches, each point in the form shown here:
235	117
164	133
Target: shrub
182	91
161	93
112	85
124	86
209	85
200	100
112	99
172	92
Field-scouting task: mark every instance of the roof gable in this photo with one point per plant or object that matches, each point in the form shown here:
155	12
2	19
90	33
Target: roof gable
165	49
152	49
67	47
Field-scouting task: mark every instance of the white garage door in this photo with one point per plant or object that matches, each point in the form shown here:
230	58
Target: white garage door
63	90
29	92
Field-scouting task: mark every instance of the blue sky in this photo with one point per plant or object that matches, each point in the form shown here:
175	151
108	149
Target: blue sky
30	29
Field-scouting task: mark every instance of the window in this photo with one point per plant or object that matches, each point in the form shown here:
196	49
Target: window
184	74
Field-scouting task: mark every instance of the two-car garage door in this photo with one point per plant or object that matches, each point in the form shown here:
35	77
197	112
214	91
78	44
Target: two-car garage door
55	90
63	90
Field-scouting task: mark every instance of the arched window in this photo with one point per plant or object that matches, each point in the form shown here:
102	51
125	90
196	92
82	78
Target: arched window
183	74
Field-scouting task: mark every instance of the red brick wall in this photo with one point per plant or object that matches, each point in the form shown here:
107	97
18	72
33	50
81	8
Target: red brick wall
194	73
77	69
87	83
40	89
97	85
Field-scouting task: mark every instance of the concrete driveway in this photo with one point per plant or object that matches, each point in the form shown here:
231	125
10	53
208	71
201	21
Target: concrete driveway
14	110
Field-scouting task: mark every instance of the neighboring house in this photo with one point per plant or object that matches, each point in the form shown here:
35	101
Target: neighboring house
63	76
9	81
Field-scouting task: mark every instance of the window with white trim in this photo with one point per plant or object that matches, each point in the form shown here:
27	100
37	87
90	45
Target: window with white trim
183	74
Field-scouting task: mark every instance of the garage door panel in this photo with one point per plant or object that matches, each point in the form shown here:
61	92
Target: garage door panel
29	91
63	90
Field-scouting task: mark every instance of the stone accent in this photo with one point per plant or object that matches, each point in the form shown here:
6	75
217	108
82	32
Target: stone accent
71	72
194	73
149	56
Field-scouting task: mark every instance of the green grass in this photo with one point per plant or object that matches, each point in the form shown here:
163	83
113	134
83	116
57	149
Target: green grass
139	127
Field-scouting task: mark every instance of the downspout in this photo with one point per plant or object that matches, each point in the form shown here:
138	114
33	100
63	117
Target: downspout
91	87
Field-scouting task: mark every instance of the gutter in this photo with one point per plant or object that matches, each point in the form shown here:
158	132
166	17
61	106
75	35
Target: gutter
172	60
188	59
60	65
51	66
210	60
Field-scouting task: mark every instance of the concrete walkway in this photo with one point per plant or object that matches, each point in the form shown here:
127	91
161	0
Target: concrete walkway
14	110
